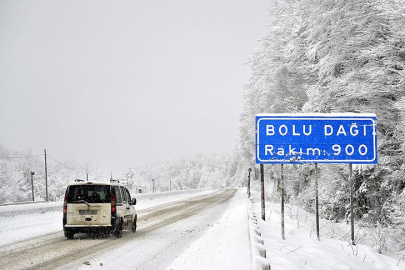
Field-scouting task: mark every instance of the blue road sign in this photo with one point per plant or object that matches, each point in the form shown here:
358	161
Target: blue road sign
316	138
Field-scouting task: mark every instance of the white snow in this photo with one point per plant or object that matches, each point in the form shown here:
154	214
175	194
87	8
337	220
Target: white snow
225	245
302	251
35	220
24	221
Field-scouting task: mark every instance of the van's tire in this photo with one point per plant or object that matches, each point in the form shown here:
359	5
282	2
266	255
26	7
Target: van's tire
134	225
69	234
118	229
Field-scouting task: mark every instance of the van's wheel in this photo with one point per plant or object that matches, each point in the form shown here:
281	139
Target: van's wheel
134	224
118	230
69	234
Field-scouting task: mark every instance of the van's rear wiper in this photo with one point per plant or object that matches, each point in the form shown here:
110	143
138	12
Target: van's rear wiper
82	201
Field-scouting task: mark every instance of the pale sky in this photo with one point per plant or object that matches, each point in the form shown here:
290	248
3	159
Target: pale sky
125	83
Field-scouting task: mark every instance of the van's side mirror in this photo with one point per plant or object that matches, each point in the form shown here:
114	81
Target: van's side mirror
133	201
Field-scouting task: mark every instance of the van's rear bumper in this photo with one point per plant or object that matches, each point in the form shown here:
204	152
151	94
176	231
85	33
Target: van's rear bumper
88	228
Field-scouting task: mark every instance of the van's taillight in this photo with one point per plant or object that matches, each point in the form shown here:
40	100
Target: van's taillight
113	200
65	204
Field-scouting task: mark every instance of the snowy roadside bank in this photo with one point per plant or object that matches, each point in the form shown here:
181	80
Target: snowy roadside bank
301	249
225	245
147	200
21	222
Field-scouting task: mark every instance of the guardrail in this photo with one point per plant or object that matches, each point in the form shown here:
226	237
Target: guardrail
258	250
18	203
151	196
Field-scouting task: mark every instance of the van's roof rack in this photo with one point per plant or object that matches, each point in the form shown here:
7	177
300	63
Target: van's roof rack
113	180
79	180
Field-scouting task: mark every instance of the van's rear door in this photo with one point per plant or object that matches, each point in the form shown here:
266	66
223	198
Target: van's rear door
89	205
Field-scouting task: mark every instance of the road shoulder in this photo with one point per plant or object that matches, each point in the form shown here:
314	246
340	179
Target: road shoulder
225	245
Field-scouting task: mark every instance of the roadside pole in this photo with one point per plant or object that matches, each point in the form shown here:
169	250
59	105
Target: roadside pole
351	203
32	184
316	202
282	202
262	192
46	179
248	185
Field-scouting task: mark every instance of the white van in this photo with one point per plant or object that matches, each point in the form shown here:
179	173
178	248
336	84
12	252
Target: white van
96	207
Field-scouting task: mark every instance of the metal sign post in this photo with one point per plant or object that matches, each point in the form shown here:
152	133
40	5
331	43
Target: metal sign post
316	202
282	202
316	138
351	204
262	192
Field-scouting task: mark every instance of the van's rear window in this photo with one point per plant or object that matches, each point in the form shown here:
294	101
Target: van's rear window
89	194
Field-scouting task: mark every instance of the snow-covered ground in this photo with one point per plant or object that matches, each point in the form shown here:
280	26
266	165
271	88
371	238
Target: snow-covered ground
301	250
223	246
24	221
225	243
222	243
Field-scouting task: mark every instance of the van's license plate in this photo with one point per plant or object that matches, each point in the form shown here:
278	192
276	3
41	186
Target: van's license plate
87	212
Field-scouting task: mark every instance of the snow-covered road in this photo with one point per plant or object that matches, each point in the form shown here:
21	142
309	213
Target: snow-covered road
164	233
208	230
25	221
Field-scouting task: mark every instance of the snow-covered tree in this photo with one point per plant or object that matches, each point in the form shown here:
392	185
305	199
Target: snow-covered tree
334	56
129	177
